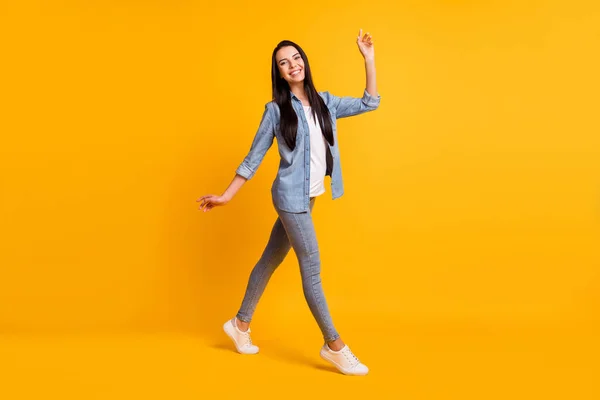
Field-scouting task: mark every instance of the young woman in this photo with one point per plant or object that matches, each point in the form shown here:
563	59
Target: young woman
304	123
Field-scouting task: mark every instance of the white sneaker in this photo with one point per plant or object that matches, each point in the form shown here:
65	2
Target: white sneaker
241	339
344	360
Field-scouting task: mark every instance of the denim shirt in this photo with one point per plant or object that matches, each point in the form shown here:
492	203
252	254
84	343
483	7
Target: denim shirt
290	190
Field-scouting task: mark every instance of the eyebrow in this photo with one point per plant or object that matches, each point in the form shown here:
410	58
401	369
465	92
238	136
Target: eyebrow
286	58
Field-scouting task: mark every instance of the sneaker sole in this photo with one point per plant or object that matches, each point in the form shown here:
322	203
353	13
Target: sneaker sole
339	367
227	328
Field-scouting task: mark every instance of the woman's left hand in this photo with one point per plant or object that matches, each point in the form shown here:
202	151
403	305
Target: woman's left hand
365	45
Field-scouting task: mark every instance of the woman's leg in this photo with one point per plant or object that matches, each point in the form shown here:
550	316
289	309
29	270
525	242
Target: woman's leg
273	255
301	234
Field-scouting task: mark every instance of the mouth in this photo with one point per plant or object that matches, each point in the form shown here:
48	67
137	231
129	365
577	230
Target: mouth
295	73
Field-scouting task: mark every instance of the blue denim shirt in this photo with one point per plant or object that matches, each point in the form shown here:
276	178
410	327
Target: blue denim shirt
290	190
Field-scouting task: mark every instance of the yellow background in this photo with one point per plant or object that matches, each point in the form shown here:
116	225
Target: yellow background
462	261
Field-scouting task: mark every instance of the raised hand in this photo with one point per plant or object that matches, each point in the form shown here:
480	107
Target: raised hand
365	45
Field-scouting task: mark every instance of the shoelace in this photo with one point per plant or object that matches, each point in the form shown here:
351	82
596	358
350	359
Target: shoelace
248	340
350	356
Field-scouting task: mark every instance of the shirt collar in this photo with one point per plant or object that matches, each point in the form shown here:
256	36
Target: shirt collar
293	96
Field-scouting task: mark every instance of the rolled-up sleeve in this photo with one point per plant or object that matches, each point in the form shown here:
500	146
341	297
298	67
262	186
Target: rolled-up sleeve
261	143
348	106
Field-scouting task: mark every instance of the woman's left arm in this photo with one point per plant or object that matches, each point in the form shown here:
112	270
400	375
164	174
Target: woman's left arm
348	106
365	45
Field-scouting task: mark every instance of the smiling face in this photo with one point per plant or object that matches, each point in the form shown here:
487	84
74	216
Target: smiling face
290	64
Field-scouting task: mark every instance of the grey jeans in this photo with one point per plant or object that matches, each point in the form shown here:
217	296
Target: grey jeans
291	230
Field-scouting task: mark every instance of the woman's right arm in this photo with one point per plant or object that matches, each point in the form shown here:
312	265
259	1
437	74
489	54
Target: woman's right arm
261	143
209	201
235	185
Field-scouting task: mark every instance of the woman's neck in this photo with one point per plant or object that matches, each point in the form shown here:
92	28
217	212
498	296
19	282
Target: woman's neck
298	90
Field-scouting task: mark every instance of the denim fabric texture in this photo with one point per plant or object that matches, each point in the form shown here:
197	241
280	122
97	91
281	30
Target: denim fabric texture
290	189
298	231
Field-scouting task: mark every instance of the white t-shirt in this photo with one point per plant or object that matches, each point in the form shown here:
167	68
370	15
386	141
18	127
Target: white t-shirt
318	158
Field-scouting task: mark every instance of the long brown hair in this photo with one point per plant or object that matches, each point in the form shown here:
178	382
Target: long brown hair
281	96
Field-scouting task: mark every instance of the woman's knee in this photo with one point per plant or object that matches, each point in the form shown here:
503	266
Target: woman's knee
311	270
279	256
